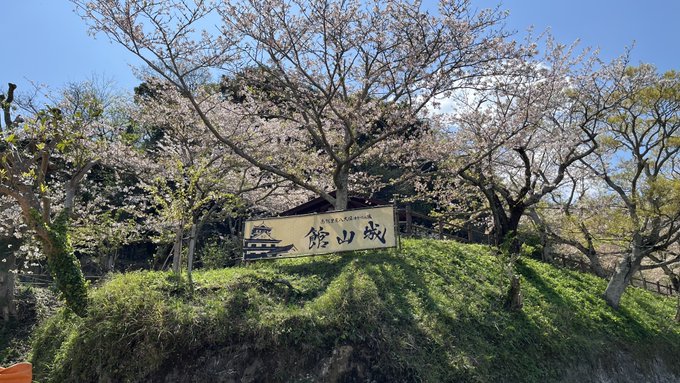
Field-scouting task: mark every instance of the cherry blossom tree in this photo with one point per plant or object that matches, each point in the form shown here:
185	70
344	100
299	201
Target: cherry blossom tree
623	203
191	178
110	214
516	142
346	76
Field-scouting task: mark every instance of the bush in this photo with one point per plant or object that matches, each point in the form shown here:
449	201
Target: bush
219	254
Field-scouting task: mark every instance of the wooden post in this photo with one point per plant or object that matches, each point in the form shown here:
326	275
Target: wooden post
658	287
441	228
409	219
177	255
192	249
8	308
644	283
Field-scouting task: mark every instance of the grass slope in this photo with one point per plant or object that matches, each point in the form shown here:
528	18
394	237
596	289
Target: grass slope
431	312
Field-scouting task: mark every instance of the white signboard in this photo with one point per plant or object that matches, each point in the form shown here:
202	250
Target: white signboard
284	237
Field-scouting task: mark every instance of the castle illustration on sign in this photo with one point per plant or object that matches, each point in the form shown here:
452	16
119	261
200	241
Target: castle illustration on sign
261	244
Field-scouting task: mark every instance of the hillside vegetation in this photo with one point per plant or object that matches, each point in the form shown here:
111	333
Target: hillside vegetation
431	311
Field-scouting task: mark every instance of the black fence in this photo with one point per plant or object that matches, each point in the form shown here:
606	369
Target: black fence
657	287
418	225
45	280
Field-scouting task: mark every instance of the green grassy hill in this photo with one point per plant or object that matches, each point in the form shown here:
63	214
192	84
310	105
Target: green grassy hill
429	312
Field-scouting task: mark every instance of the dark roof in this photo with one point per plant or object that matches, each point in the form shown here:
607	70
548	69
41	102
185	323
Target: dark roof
320	205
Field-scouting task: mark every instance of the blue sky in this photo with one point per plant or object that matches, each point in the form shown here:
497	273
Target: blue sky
611	25
48	43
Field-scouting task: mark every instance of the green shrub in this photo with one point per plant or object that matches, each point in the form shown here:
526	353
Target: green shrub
219	254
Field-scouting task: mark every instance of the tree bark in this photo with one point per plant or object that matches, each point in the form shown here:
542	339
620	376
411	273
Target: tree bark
505	225
595	264
192	249
621	278
546	251
675	282
177	253
500	219
62	262
590	252
8	309
65	269
516	214
108	260
513	299
546	246
341	180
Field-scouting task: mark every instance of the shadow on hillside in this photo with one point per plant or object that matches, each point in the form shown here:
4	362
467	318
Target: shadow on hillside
622	321
402	342
420	331
435	324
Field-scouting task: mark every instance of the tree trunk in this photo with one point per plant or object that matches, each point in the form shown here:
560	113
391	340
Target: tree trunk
341	199
500	220
508	231
112	261
505	226
63	264
65	269
192	249
546	251
177	254
8	309
108	260
675	282
513	299
590	252
621	278
546	248
61	260
595	264
341	181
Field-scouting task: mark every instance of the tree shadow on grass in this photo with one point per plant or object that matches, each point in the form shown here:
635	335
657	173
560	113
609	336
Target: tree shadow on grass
618	322
427	328
596	327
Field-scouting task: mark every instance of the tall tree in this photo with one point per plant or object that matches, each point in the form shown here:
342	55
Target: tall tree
44	158
636	158
189	175
516	142
348	75
8	248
